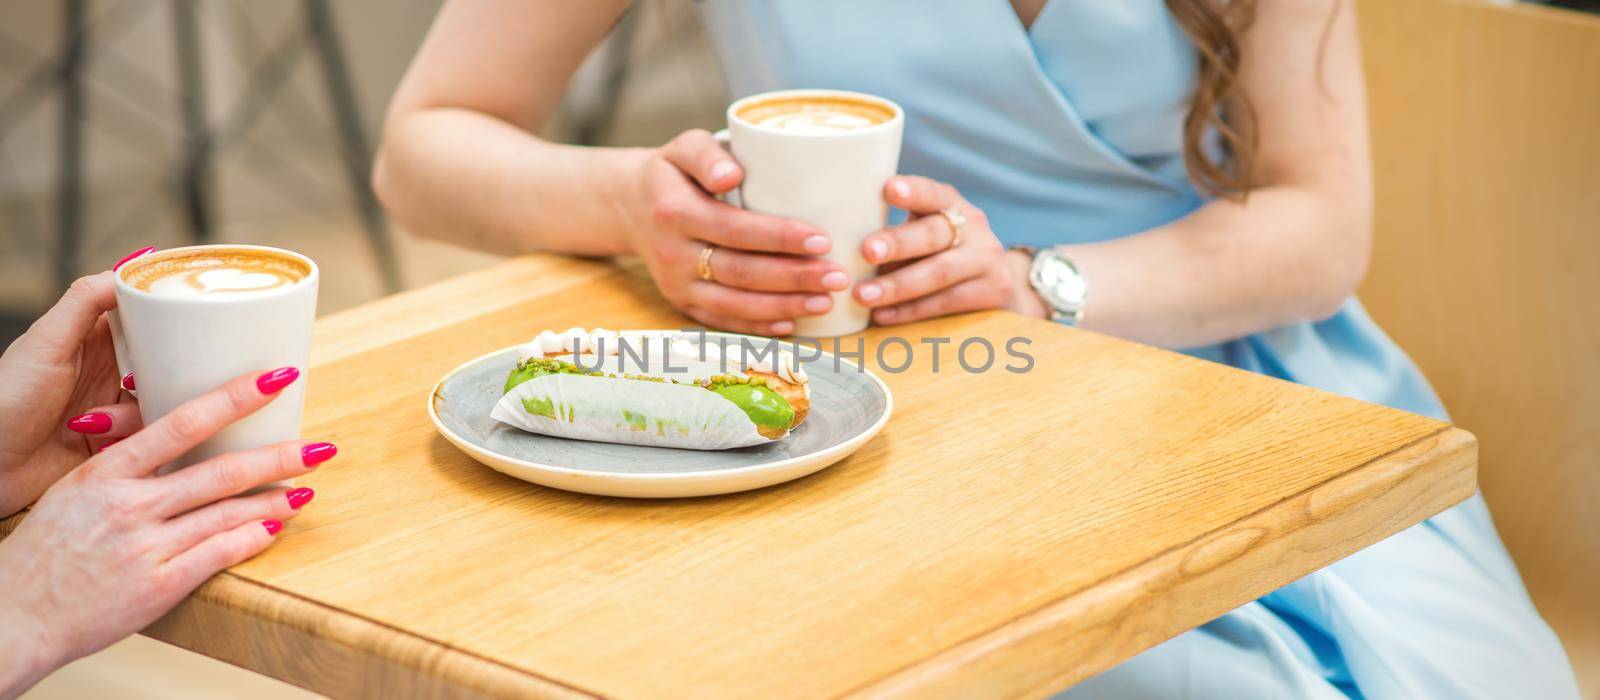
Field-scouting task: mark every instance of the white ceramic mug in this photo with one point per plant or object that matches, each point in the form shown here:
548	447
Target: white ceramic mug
831	180
180	348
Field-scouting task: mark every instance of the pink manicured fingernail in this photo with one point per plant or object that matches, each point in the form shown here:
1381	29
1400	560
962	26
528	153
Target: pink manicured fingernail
819	304
108	443
273	526
836	280
90	423
274	381
134	254
869	292
721	170
299	497
901	189
876	250
127	382
817	244
317	453
782	328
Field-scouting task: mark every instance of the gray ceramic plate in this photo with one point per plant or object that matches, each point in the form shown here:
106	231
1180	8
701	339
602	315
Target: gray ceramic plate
849	405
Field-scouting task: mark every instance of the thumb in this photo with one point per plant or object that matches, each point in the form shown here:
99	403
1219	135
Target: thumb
697	153
54	338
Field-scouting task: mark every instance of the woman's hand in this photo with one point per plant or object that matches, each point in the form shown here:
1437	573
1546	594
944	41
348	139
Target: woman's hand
63	366
924	276
760	285
111	547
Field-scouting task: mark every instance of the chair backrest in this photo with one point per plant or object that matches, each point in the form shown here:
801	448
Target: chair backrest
1486	265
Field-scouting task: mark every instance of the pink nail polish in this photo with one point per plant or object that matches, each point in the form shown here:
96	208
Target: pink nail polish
90	423
127	382
836	280
876	250
274	381
273	526
131	256
108	443
299	497
870	292
817	244
901	188
721	170
782	328
317	453
819	304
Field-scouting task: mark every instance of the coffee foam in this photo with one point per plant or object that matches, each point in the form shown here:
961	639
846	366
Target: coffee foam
214	272
816	114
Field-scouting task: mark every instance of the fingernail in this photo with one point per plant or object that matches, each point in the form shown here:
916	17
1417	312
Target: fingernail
869	292
886	315
782	328
836	280
818	304
876	250
901	189
299	497
317	453
721	170
817	244
272	526
90	423
130	256
274	381
127	382
108	443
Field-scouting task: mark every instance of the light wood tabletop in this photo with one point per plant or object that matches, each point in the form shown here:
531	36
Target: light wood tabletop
1006	534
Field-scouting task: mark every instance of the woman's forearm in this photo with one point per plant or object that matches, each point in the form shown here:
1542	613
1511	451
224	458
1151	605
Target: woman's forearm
469	178
1230	269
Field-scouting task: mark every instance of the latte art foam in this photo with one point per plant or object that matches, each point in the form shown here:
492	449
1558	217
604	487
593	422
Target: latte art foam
214	273
816	122
816	114
223	280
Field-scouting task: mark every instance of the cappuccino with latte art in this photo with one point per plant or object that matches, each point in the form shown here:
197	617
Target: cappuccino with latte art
214	272
815	114
190	319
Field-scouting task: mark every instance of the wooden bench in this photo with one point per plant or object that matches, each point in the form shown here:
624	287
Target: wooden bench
1486	268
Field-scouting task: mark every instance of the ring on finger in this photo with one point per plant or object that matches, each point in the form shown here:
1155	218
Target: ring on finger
957	221
704	266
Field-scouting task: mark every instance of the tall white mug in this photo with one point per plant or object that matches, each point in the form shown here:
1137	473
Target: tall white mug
833	180
181	347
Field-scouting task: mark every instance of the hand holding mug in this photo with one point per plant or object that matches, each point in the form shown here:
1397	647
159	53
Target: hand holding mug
111	546
943	260
759	281
62	367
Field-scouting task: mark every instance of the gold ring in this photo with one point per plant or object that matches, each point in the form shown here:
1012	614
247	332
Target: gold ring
705	262
957	221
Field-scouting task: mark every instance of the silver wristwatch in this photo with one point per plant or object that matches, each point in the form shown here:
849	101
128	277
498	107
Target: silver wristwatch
1058	281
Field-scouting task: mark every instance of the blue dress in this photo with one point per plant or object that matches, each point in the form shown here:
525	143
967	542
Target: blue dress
1071	132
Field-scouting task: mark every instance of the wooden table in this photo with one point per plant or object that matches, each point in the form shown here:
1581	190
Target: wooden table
1006	534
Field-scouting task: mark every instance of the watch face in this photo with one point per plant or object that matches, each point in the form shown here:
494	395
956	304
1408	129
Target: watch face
1058	282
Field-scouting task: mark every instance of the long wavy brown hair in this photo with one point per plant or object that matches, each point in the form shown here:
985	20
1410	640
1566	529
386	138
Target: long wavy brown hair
1220	103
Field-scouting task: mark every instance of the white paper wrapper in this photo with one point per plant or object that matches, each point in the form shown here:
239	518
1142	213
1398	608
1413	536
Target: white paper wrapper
606	409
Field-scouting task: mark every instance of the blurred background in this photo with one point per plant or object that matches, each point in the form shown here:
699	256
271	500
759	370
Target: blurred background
126	123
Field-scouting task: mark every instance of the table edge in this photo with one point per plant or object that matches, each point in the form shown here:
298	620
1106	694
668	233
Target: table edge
249	624
242	621
1083	633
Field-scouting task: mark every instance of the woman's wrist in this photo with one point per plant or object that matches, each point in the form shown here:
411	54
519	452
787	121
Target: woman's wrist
622	179
1026	300
25	643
